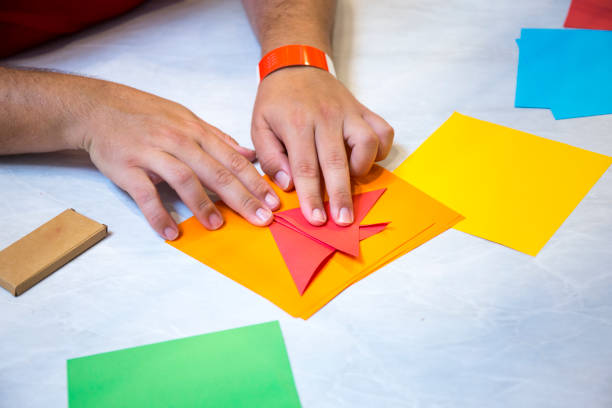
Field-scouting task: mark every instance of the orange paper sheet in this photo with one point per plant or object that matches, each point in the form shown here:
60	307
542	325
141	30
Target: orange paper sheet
249	255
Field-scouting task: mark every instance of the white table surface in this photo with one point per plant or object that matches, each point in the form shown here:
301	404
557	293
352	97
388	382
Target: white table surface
458	322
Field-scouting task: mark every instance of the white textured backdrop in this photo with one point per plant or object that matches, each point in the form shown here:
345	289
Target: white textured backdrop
458	322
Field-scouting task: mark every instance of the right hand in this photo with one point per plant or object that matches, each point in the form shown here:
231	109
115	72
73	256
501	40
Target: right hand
137	139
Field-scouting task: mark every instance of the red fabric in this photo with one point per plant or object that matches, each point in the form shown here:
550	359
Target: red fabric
593	14
26	23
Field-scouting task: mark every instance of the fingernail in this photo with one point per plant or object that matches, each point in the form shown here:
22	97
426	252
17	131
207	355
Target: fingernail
271	200
318	215
345	216
170	233
282	179
263	214
215	220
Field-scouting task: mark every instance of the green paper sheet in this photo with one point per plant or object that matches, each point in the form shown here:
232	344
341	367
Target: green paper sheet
244	367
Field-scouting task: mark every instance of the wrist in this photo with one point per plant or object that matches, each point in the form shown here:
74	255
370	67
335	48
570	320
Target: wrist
74	135
84	110
78	115
325	47
292	56
318	40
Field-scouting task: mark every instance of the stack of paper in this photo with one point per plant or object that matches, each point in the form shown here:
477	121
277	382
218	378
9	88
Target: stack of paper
258	257
593	14
566	71
514	188
244	367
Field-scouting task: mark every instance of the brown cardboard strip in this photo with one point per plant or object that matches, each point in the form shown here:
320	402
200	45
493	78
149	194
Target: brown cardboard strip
40	253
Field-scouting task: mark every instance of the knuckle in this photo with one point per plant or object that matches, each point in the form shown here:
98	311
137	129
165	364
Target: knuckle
342	196
306	169
330	111
259	127
144	195
205	205
369	140
173	138
335	160
132	161
157	218
227	137
297	119
269	165
260	187
388	130
313	197
237	162
182	176
223	177
249	202
360	169
193	126
386	143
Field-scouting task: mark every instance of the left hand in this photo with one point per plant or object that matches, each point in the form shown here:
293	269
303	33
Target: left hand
304	120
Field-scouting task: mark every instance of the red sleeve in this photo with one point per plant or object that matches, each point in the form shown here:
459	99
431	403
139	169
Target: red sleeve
26	23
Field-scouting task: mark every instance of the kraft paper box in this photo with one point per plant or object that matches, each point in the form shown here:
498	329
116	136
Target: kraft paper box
40	253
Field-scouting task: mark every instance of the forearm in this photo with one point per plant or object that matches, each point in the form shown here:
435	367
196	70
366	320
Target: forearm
136	139
281	22
39	112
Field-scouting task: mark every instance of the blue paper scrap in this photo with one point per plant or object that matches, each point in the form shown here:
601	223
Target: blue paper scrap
566	70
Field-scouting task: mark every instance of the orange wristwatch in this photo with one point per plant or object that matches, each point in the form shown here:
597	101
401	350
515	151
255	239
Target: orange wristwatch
294	55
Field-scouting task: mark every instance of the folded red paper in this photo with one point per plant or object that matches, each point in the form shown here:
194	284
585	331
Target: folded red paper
591	14
306	248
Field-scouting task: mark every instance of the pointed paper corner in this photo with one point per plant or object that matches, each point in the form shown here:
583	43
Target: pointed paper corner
292	244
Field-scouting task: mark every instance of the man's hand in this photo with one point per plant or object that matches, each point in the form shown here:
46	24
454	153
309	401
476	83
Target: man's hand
136	139
307	126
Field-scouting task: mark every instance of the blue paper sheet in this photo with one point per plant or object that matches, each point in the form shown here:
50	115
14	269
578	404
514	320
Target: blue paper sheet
566	70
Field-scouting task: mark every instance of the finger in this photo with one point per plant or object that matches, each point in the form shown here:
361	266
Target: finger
334	165
305	171
364	144
249	154
138	185
383	130
155	179
220	179
187	185
243	170
272	155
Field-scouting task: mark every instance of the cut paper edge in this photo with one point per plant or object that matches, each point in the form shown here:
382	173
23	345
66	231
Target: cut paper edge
289	225
366	231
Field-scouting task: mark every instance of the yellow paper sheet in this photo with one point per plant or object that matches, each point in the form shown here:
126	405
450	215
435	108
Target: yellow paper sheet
249	255
513	188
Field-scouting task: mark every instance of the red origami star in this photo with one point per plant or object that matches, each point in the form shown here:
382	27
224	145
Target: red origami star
307	248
